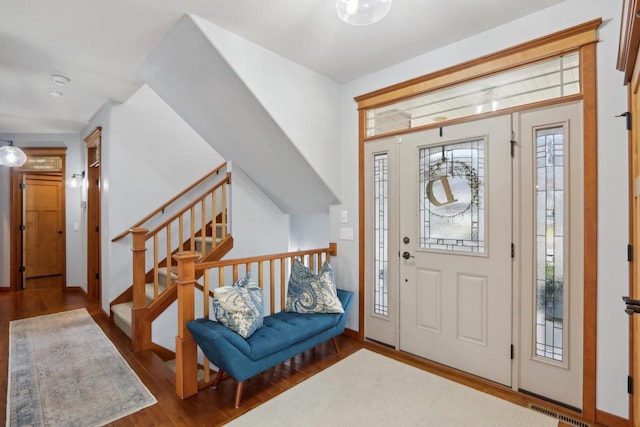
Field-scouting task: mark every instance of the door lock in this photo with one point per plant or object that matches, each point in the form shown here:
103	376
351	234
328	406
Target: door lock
406	240
407	255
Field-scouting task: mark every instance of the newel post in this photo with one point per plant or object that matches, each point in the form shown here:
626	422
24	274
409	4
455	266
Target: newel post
186	348
139	249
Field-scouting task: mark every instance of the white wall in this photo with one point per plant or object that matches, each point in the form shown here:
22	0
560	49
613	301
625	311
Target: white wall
612	173
76	272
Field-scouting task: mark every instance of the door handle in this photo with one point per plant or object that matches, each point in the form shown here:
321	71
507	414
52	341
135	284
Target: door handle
407	255
59	231
633	305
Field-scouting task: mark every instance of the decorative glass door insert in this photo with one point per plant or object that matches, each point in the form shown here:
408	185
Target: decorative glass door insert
381	233
549	242
452	197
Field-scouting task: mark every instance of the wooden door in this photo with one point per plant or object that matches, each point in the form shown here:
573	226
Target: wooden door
44	232
455	233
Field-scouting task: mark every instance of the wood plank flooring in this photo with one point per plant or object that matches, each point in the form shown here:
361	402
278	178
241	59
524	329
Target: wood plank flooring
209	407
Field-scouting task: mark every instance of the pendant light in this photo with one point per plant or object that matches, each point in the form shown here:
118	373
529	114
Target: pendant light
11	155
362	12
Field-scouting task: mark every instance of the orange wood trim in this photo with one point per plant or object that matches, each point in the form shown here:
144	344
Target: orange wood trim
255	259
567	40
610	420
165	205
590	141
159	305
186	349
93	143
629	39
362	131
352	333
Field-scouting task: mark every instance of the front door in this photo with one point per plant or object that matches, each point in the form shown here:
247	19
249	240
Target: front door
455	246
43	234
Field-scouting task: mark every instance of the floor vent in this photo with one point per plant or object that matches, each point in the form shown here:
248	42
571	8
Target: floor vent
564	418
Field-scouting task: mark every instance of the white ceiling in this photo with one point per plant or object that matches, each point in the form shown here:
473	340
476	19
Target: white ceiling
99	44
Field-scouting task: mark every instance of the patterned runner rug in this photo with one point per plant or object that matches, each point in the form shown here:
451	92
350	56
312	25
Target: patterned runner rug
367	389
63	370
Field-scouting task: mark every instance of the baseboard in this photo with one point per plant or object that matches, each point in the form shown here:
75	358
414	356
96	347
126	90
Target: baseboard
76	289
610	420
162	352
351	333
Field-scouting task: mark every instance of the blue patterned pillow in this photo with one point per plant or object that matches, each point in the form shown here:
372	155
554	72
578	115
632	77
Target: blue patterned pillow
239	307
312	293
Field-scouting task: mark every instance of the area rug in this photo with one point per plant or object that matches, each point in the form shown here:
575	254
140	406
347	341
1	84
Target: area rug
63	370
367	389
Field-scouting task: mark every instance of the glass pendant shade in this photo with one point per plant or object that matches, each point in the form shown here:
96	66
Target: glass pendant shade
362	12
12	156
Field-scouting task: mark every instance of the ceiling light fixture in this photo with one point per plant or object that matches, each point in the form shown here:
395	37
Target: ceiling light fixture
362	12
11	156
59	79
55	93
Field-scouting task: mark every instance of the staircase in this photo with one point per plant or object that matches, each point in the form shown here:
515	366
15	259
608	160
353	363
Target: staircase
195	220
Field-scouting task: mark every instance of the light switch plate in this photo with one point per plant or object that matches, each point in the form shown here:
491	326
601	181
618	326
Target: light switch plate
346	233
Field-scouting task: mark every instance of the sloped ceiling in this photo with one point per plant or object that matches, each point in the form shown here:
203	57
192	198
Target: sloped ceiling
194	79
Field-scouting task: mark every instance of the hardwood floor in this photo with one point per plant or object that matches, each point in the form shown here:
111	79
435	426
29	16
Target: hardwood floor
209	407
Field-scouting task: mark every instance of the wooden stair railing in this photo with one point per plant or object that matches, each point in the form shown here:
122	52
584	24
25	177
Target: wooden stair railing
174	199
272	276
202	225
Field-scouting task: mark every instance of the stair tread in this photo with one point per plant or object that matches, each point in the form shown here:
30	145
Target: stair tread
208	239
172	365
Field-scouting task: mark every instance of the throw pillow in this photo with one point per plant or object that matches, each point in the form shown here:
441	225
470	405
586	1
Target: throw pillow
239	307
312	293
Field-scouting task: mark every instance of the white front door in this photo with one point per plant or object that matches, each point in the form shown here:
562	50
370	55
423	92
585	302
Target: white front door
550	261
455	246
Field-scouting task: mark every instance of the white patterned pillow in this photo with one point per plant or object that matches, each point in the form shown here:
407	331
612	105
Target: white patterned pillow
312	293
239	307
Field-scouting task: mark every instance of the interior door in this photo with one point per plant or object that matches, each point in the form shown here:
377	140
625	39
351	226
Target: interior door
44	235
455	231
552	251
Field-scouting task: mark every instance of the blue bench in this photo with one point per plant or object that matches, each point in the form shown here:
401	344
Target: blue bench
282	336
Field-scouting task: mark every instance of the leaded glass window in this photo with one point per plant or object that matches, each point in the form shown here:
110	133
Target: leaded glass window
550	242
452	197
381	233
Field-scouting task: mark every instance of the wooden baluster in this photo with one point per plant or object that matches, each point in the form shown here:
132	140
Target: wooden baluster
203	227
224	208
282	285
139	250
168	261
214	224
205	314
272	286
156	265
186	348
192	234
181	233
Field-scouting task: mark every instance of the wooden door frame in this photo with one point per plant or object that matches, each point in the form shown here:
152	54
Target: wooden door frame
15	212
581	38
94	281
628	57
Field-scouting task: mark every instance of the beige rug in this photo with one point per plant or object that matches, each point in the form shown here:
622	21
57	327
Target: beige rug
64	371
367	389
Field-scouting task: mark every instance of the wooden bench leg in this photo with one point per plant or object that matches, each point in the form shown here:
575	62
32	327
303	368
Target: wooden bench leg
239	393
335	344
218	378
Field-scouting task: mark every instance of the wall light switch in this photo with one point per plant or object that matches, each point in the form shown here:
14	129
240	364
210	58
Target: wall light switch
76	226
346	233
344	217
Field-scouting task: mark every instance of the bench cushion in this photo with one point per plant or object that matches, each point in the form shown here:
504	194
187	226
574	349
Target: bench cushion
284	329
